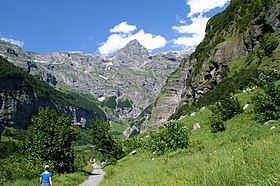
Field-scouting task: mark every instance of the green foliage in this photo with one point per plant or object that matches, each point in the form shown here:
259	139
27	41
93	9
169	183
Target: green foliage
182	111
267	104
246	153
227	108
8	148
132	144
104	142
229	85
217	124
124	103
171	136
18	167
17	134
50	139
269	43
109	102
223	111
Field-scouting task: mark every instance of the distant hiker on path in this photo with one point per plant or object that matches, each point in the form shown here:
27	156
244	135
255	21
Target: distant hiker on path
46	177
92	160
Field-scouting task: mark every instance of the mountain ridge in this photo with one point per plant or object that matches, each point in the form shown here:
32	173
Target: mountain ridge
133	75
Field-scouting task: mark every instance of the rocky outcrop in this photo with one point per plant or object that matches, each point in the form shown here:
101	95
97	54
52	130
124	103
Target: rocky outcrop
167	101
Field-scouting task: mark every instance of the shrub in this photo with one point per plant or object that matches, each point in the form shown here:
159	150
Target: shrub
171	136
223	111
132	144
267	103
217	124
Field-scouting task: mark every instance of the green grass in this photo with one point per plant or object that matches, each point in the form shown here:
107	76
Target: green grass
69	179
246	153
117	128
72	179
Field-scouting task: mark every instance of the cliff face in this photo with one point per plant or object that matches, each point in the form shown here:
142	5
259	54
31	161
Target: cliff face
235	40
238	45
20	98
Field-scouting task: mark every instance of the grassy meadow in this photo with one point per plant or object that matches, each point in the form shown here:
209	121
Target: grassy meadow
246	153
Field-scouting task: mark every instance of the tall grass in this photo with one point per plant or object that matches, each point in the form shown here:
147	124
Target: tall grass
72	179
246	153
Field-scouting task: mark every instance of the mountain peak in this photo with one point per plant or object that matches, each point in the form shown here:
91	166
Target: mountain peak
132	54
135	47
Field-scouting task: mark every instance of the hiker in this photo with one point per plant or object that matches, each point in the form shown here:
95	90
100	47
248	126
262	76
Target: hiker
92	160
46	177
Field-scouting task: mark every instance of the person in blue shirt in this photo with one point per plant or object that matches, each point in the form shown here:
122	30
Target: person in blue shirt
46	177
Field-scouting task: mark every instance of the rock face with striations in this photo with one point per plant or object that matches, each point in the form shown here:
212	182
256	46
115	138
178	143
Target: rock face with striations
132	74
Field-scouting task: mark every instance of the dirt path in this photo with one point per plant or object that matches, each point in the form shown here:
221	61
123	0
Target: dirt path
96	176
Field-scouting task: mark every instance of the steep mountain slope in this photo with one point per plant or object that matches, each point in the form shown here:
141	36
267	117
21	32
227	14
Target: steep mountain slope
132	75
21	95
240	40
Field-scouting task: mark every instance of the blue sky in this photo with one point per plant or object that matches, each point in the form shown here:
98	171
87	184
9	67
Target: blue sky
104	26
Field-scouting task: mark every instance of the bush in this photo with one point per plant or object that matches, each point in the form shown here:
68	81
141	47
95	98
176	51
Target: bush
217	124
267	103
132	144
223	111
170	137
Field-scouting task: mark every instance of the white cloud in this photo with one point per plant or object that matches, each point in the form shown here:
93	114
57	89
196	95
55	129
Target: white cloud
121	37
196	32
123	28
197	26
13	41
203	6
193	33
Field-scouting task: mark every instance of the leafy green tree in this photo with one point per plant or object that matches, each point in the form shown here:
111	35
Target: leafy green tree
104	142
50	139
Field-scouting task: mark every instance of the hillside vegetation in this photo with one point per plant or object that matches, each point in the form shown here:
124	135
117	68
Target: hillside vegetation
230	106
244	152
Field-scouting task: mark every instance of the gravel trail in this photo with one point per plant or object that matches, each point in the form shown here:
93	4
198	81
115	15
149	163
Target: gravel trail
96	176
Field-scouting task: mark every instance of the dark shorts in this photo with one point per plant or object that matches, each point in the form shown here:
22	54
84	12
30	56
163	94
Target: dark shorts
45	184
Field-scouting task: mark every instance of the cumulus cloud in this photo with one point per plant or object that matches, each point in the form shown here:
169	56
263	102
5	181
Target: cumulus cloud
193	33
13	41
203	6
123	28
196	32
197	26
123	33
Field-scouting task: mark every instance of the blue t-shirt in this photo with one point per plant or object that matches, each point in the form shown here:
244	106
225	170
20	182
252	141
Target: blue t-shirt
45	177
